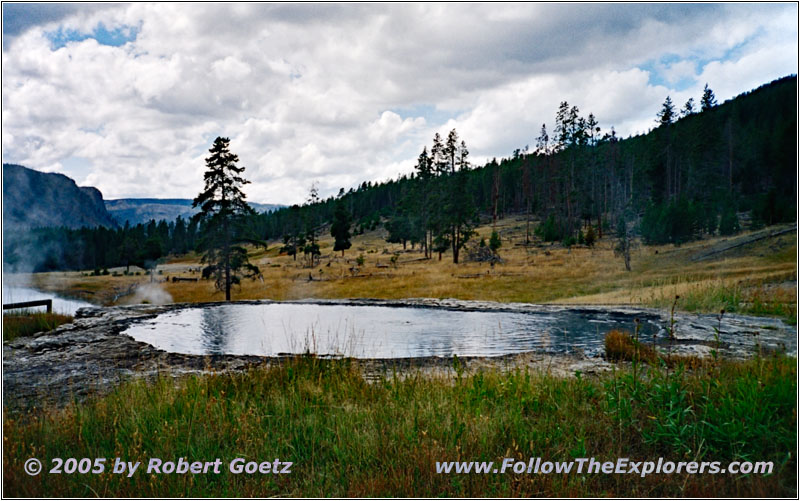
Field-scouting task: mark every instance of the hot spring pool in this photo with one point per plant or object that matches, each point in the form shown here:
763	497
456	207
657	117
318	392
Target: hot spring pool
274	329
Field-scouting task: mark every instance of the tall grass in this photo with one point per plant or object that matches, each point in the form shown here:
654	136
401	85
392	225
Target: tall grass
737	297
347	437
26	323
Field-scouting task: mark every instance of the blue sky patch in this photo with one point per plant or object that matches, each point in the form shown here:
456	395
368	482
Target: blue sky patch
659	71
115	37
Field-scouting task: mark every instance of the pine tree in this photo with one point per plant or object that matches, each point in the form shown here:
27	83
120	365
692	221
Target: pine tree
451	150
419	197
543	142
340	228
460	213
438	160
667	114
424	168
222	211
463	157
592	129
562	129
708	100
494	242
688	108
179	236
311	249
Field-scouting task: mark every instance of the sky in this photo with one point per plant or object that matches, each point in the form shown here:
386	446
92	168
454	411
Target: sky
129	97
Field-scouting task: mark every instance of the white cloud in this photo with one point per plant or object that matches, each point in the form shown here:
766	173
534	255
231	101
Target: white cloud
313	92
230	68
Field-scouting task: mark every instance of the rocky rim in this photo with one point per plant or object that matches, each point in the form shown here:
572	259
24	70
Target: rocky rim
92	354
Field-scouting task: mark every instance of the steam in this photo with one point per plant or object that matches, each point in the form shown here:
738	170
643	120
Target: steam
150	293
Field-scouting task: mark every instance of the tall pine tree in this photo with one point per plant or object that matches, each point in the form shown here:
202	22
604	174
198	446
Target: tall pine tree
222	211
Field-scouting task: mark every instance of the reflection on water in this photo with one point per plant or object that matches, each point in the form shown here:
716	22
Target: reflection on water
378	331
15	294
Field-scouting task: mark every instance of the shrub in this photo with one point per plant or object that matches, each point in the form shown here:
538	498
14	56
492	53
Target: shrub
620	345
494	242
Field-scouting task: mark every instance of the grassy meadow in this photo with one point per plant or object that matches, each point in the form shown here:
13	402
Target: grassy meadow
348	437
759	278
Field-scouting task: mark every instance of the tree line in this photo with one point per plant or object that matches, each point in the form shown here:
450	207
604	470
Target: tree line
692	175
61	248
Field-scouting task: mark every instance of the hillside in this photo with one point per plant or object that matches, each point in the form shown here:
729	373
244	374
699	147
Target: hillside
685	179
142	210
37	199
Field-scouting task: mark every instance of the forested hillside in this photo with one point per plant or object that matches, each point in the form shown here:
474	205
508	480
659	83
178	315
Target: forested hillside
694	174
687	177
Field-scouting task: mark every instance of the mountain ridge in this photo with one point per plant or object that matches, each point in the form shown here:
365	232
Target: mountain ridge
33	199
142	210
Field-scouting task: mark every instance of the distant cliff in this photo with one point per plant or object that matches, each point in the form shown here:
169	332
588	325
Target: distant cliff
142	210
37	199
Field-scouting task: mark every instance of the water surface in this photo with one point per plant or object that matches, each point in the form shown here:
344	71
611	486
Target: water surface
378	331
17	294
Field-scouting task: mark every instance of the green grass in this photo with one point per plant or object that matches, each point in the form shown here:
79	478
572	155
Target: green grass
26	323
735	298
347	437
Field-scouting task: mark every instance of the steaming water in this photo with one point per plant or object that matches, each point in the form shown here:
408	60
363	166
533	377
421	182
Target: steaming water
378	331
16	294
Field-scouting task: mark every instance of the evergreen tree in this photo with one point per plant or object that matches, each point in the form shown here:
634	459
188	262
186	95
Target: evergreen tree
223	209
463	157
688	108
543	142
729	222
451	150
438	156
340	228
424	168
494	242
400	230
708	100
417	201
667	114
179	245
460	214
311	250
592	129
561	136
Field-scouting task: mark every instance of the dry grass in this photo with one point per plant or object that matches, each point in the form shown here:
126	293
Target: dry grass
540	273
620	345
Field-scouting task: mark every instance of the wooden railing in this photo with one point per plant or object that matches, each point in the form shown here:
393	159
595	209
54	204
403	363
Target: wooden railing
30	304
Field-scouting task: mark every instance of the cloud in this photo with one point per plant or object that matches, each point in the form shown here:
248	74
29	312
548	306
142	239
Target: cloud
343	93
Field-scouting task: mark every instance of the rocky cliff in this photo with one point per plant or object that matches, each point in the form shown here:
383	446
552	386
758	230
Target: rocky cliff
34	199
